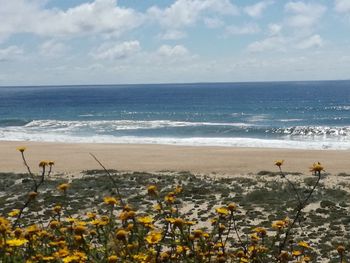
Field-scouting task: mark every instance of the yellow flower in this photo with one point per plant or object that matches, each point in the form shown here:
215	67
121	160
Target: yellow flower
91	215
63	187
112	259
54	224
146	220
43	163
32	195
341	249
279	224
21	149
254	237
157	207
48	258
57	209
307	259
231	206
121	234
14	213
222	211
51	163
197	233
79	229
279	163
303	244
152	190
260	231
110	200
154	237
76	257
170	197
316	168
296	253
284	256
16	242
178	189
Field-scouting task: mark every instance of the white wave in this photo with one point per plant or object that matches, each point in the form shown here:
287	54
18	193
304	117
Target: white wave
339	108
115	125
290	120
193	141
314	131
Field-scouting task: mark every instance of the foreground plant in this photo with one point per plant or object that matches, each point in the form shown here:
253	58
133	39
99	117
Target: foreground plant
116	232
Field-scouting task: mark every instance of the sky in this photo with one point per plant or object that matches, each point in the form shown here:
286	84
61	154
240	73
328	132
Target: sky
63	42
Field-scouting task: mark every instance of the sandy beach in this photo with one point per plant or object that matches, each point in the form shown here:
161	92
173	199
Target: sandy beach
72	158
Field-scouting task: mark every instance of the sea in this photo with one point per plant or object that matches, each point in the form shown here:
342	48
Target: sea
296	115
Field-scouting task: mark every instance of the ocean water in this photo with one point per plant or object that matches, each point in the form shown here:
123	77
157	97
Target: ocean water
305	115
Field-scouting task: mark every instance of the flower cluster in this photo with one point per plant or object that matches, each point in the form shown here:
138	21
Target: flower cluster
117	232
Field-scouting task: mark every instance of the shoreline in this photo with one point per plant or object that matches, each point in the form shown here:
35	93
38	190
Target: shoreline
72	158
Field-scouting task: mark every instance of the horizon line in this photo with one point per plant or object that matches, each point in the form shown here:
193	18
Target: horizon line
172	83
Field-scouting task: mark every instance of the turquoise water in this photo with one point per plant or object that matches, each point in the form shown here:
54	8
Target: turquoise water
313	115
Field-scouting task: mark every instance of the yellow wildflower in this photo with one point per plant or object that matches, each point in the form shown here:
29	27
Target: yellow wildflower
260	231
21	149
146	220
16	242
341	249
279	163
152	190
54	224
306	259
14	213
79	229
112	259
57	208
43	163
121	234
296	253
157	207
63	187
48	258
32	195
197	233
303	244
316	168
178	189
222	211
153	237
110	200
279	224
231	206
170	197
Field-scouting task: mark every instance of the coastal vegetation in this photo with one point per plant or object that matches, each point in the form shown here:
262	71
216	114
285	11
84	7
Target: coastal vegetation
110	216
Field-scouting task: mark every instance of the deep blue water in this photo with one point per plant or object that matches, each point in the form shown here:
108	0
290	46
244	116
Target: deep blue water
276	114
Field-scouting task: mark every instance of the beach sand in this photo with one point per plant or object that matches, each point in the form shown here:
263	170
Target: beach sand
73	158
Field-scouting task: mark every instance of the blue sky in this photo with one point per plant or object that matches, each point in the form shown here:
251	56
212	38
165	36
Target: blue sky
54	42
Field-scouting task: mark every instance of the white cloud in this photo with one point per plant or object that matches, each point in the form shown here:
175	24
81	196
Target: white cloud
213	22
173	35
310	42
275	43
342	6
257	9
117	51
242	30
172	51
10	53
97	17
274	29
52	48
184	13
304	15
